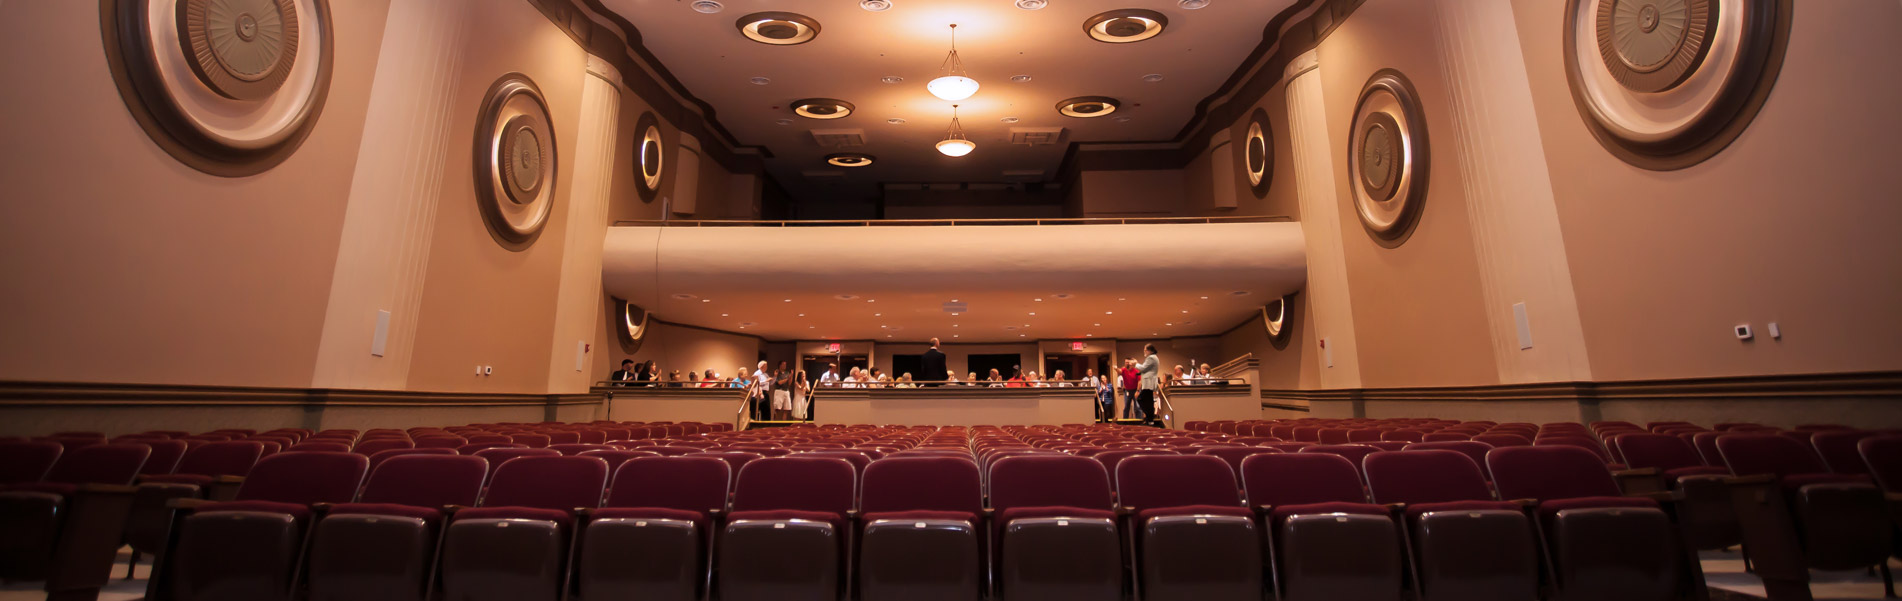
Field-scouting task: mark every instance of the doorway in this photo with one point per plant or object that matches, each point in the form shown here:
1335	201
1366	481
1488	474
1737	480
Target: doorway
1074	366
1005	364
815	365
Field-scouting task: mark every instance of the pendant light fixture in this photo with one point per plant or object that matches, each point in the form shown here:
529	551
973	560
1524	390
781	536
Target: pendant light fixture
955	84
954	143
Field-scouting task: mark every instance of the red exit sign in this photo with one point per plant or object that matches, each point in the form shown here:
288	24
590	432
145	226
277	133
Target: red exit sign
832	348
1076	346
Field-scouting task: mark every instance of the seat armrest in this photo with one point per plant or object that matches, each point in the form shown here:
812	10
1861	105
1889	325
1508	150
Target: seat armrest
1668	496
1751	480
449	511
1524	503
1635	472
987	513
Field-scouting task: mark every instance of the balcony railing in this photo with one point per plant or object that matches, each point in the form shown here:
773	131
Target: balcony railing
942	222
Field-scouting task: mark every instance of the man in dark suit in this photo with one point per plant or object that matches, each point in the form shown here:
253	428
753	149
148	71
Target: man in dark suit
624	374
933	365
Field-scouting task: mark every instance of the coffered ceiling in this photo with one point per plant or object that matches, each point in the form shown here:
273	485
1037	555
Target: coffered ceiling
901	122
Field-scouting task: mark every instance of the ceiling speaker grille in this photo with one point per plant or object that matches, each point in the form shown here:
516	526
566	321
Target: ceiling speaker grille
839	138
1035	136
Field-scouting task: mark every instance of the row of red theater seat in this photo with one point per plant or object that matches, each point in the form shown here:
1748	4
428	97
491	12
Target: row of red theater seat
994	448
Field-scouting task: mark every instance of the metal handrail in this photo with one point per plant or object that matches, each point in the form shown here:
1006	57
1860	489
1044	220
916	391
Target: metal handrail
922	222
744	417
1230	364
1165	411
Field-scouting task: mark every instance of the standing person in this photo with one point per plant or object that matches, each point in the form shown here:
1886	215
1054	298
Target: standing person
801	397
1105	395
762	393
782	392
1130	381
931	366
831	377
1146	398
1016	376
624	374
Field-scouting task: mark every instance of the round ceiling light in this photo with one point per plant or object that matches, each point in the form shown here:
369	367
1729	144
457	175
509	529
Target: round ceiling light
822	108
1193	4
850	159
952	87
1088	106
875	5
777	28
1125	26
956	148
1153	78
759	81
1032	4
1020	79
891	79
895	121
707	6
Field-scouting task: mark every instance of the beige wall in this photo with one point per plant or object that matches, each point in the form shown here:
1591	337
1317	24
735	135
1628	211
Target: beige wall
129	267
673	347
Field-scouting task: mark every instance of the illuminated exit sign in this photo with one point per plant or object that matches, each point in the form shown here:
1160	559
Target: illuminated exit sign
832	348
1076	346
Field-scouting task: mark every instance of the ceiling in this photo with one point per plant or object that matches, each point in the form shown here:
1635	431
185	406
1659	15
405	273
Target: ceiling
894	282
1196	53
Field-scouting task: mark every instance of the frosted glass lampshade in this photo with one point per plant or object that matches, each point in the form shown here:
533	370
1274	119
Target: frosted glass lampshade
952	87
956	147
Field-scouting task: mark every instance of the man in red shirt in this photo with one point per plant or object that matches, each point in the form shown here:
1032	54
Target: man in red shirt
1131	381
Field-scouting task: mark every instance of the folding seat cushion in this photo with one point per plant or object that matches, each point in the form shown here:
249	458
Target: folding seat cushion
1353	452
1705	515
1820	521
1195	539
1465	545
1055	533
65	528
783	539
371	446
497	457
1327	541
24	461
1475	451
1603	545
382	546
922	525
514	546
1837	447
248	548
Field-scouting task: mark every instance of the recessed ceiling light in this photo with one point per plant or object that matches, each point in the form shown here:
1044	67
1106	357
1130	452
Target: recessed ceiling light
1020	79
1205	298
1153	77
1122	299
706	300
871	300
1121	119
1084	107
707	6
878	315
954	325
1037	299
891	79
789	300
1032	4
849	159
1168	324
1098	325
683	296
802	315
1193	4
875	5
1009	119
1239	293
1021	336
954	314
1088	335
822	108
1109	312
1125	26
723	315
1185	311
759	81
777	28
1033	313
784	122
954	300
895	121
846	296
954	335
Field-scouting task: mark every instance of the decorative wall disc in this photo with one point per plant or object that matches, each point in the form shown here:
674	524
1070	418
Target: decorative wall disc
1387	158
649	155
1258	153
229	87
630	325
1666	84
515	161
1274	316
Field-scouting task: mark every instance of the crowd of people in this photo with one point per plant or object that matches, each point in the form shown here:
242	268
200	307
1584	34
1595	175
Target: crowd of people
784	394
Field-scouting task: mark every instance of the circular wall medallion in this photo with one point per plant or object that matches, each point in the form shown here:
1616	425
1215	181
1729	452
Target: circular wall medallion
515	161
229	87
822	108
850	159
1274	316
1258	153
630	328
1387	158
1666	84
1088	107
650	152
1125	26
778	28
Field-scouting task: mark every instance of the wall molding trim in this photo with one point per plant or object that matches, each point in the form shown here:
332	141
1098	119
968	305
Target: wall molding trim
1886	385
59	394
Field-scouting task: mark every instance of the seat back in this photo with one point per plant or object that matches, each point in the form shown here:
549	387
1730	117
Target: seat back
1110	459
577	448
1504	440
1471	449
1353	452
427	480
24	461
1837	448
1583	442
1049	481
858	460
497	457
1431	476
548	482
374	445
1153	481
825	484
377	458
165	456
318	447
233	458
1550	472
100	464
1657	451
1883	455
616	457
1234	456
1301	479
690	483
305	478
1752	454
922	484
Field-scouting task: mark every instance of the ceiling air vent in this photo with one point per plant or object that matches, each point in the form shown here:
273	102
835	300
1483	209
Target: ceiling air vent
839	138
1034	136
957	307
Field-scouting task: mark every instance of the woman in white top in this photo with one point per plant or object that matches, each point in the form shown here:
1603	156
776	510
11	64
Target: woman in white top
950	378
801	397
1058	378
